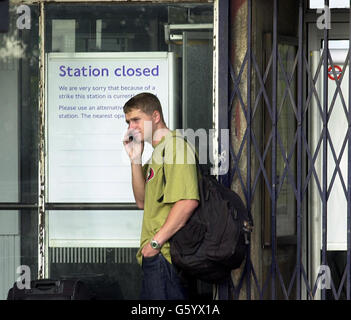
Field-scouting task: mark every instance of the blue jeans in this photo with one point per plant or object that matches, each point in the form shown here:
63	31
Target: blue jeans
160	280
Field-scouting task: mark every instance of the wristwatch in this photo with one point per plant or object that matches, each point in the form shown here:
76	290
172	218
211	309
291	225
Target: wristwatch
154	244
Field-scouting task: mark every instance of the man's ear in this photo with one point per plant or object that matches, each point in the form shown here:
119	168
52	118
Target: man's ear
156	116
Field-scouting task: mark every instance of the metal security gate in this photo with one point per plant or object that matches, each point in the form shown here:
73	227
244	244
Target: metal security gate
290	151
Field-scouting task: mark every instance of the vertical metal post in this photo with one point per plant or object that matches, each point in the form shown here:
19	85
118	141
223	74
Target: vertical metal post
325	146
299	150
41	166
221	95
248	153
348	259
274	145
222	87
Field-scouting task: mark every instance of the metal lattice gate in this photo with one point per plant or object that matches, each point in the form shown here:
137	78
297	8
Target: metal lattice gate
287	162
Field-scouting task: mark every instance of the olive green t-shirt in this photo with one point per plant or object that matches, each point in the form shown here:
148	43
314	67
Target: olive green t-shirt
168	180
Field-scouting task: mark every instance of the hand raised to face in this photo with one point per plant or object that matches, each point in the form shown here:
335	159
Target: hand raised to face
133	145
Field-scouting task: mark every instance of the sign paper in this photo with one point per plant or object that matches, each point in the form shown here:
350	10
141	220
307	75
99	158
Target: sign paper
86	160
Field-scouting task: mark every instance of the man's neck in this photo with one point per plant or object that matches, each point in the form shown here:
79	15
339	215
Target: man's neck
159	134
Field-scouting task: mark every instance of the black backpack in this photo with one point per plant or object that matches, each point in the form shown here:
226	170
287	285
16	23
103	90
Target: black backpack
214	240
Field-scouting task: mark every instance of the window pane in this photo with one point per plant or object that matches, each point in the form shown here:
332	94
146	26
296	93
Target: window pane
18	111
319	4
18	149
110	273
93	35
18	248
92	54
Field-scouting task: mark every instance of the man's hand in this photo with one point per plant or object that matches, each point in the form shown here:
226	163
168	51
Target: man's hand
148	251
133	145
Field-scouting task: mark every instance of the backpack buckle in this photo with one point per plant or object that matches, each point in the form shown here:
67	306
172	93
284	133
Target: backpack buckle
247	227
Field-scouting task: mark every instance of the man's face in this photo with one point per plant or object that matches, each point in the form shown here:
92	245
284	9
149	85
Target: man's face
140	124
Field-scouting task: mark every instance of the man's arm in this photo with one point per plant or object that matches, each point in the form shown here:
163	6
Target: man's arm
177	218
134	149
138	184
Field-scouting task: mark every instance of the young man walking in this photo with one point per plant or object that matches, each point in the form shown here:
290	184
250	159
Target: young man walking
165	187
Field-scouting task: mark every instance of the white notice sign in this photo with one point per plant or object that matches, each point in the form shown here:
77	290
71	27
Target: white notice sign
85	127
86	123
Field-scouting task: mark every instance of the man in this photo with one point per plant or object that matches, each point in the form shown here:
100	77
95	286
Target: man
166	190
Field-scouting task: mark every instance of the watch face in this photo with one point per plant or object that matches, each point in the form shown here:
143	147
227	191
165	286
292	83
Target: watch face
154	244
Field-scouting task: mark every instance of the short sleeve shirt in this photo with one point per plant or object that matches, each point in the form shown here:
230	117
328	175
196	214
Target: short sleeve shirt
170	176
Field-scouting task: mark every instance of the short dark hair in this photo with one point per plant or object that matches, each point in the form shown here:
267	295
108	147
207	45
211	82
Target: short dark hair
146	102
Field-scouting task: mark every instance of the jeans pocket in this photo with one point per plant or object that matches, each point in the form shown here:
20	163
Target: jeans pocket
149	261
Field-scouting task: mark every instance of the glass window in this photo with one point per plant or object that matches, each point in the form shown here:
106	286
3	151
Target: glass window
18	111
19	74
102	47
185	30
319	4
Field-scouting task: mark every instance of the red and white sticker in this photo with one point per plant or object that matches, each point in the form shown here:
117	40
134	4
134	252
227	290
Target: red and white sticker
338	72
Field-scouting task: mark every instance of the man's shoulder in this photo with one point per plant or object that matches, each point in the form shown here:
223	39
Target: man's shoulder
176	138
179	150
